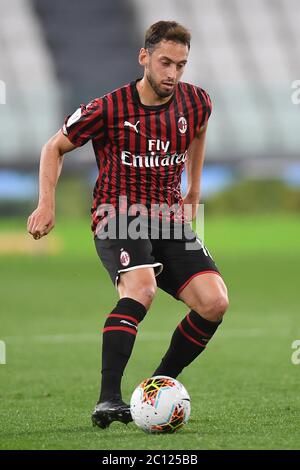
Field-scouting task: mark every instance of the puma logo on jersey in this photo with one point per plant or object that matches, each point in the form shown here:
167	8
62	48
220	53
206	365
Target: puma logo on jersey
134	126
127	323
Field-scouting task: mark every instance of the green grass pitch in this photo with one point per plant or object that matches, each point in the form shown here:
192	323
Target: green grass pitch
244	389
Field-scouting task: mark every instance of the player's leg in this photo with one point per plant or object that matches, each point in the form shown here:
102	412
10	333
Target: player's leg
136	290
138	284
131	268
192	276
206	296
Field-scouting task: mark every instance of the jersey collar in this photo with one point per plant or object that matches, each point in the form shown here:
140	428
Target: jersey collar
136	98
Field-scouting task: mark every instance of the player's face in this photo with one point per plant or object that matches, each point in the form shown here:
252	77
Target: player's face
164	66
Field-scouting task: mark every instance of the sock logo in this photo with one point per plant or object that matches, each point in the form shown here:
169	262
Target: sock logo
127	323
117	322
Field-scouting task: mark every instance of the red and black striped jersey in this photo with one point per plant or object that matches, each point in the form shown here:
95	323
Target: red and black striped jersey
140	150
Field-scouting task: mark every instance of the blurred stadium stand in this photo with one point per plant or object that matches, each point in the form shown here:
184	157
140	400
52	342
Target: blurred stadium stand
33	105
57	54
246	55
93	44
54	56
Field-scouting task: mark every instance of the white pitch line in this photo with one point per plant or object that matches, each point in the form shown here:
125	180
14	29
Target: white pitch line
56	338
143	336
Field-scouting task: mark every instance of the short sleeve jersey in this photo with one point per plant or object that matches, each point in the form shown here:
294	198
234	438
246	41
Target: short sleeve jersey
140	150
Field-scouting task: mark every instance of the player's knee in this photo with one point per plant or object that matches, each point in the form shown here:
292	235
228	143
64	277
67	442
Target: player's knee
214	308
147	293
217	307
143	293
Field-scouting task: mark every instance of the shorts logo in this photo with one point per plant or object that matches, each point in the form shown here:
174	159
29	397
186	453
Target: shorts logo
182	125
124	258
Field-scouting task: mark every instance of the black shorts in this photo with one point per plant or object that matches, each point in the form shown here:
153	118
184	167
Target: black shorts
175	261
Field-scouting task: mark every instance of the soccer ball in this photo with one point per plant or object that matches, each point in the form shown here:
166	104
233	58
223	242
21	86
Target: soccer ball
160	404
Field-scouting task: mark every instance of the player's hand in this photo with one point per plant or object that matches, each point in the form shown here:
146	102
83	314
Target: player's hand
190	205
40	222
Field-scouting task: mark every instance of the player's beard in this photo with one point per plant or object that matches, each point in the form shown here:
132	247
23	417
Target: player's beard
156	87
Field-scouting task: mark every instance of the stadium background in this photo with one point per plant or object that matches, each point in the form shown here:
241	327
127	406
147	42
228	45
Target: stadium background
54	294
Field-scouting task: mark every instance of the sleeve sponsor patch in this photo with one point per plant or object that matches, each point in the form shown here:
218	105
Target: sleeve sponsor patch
74	117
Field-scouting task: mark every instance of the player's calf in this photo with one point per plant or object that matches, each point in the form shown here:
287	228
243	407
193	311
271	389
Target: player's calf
208	302
119	332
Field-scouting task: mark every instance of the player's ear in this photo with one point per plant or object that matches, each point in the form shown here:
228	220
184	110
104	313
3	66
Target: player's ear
143	57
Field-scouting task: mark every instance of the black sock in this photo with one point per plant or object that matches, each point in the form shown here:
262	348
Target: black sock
119	334
188	341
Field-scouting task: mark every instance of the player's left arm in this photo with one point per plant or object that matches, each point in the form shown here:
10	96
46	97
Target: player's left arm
193	167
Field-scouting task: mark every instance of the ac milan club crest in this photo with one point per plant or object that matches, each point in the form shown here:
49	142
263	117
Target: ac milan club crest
124	258
182	125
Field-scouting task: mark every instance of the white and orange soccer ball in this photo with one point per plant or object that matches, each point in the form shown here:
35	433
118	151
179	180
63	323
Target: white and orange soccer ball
160	404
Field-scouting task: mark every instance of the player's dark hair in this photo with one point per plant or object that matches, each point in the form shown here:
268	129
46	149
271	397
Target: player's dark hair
169	31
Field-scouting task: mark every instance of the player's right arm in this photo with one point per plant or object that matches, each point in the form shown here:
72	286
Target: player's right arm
86	123
42	220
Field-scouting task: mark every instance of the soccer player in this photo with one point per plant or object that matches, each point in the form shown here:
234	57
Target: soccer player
143	136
